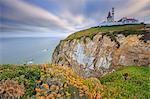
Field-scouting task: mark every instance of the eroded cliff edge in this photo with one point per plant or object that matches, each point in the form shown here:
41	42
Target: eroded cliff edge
104	52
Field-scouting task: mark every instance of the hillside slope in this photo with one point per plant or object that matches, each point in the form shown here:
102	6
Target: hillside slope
97	53
130	82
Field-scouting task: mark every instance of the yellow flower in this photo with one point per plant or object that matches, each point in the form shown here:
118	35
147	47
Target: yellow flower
62	94
45	93
42	97
53	93
45	86
85	88
37	89
81	91
86	92
98	96
58	95
68	94
57	87
75	85
52	87
38	81
37	95
61	88
65	85
49	96
81	95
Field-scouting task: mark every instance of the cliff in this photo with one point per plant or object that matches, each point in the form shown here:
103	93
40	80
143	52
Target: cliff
104	51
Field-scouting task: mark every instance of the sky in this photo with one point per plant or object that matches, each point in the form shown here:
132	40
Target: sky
57	18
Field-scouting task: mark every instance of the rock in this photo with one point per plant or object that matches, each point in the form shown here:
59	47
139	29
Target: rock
95	57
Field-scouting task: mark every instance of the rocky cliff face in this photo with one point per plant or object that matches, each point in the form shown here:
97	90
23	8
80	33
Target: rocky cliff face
103	53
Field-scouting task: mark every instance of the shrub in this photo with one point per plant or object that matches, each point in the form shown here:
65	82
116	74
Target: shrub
11	89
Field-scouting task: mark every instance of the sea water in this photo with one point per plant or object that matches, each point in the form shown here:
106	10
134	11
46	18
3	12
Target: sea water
27	50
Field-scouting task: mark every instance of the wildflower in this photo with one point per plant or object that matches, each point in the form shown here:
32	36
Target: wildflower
37	89
53	93
42	97
61	88
65	85
58	95
45	86
62	94
52	87
45	93
50	96
37	94
75	85
81	95
98	96
68	94
57	87
38	81
84	88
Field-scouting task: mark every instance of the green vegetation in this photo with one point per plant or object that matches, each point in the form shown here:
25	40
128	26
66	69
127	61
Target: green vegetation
94	30
131	81
131	32
25	75
48	81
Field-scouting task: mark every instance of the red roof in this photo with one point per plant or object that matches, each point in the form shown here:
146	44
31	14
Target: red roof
131	19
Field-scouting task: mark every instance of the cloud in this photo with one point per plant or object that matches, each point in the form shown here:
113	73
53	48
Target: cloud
73	11
33	15
133	7
65	16
22	28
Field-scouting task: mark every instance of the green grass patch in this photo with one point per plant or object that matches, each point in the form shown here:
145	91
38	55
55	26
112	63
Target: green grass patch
137	84
94	30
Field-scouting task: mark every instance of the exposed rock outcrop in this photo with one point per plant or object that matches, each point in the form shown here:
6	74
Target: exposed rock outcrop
97	56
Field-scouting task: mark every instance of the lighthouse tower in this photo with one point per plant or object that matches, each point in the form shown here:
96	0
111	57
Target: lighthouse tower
110	17
113	15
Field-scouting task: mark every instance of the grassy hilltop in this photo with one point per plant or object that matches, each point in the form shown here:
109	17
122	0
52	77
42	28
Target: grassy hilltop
45	81
94	30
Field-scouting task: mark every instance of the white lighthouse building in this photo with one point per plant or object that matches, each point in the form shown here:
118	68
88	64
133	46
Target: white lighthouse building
110	17
125	20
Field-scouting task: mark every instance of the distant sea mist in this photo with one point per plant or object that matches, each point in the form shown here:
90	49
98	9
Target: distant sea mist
27	50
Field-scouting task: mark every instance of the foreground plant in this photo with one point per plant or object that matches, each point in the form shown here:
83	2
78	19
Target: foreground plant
10	89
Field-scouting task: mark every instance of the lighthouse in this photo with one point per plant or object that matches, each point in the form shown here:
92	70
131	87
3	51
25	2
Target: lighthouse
123	21
113	14
110	17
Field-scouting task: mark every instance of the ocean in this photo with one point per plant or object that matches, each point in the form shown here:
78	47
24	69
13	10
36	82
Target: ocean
27	50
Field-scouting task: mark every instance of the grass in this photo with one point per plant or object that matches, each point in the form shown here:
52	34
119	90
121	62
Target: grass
137	84
94	30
